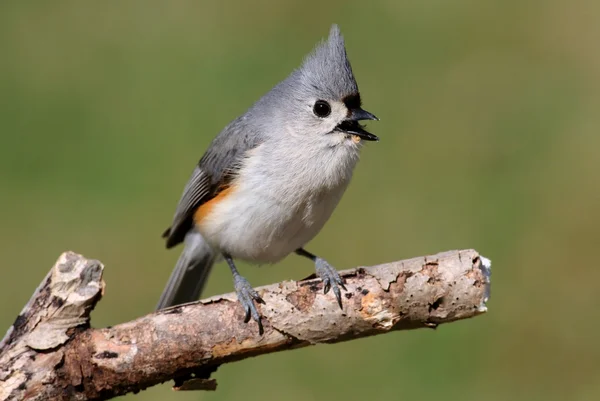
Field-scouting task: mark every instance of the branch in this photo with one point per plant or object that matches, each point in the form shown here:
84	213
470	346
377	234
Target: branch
51	353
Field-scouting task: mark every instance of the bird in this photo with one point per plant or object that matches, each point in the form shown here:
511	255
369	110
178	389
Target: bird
271	179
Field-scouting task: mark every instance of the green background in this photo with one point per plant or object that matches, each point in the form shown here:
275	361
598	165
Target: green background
489	140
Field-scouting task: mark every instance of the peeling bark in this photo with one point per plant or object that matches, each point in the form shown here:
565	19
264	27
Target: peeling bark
51	353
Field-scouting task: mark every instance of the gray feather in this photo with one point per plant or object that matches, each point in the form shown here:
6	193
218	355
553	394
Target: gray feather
222	159
190	273
196	189
215	171
328	68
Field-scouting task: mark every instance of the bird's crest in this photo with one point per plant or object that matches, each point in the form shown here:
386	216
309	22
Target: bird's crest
327	69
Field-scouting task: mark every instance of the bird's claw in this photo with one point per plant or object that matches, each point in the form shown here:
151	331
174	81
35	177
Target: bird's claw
331	279
246	297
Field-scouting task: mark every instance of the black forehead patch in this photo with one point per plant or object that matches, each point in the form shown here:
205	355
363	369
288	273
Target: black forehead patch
352	101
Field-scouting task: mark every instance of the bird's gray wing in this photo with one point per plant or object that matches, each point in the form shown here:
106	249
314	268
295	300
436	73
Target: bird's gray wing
214	172
194	194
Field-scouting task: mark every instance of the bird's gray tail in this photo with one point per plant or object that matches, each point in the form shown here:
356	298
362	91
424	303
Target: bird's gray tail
190	273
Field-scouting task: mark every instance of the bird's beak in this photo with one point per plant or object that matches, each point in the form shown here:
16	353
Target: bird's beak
360	114
351	125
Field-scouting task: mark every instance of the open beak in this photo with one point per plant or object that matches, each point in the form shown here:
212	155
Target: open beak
351	125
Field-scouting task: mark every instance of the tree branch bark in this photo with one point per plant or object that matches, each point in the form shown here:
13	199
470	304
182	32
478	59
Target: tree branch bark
52	353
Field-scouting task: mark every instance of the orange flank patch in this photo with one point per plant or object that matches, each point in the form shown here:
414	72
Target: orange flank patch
205	208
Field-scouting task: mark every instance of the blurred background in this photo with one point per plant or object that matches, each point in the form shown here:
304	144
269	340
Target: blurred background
489	140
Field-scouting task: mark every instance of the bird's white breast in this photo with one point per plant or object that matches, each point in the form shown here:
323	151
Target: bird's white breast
281	199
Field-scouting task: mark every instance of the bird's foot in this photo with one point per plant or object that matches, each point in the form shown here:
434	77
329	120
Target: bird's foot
331	279
246	296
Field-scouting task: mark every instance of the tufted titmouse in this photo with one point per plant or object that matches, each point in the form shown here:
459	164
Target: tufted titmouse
271	179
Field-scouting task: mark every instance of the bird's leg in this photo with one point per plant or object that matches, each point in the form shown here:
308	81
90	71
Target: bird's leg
246	294
331	278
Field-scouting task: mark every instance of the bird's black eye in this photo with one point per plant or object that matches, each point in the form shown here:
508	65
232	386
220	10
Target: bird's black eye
322	108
